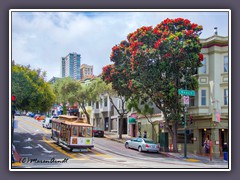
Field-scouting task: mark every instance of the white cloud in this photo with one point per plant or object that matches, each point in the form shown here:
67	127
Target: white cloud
42	38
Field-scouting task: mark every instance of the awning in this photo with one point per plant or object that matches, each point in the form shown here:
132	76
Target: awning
131	120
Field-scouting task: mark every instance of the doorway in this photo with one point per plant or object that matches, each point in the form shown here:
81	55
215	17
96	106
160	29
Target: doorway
106	124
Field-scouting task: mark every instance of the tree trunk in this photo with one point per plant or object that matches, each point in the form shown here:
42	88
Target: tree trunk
154	132
174	138
120	126
85	112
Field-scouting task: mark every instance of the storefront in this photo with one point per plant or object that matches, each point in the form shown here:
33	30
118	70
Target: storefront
132	127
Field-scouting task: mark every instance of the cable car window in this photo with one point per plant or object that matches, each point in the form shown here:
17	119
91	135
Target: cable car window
80	134
74	131
89	131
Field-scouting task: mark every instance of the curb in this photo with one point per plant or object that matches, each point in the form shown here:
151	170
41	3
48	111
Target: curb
113	139
169	155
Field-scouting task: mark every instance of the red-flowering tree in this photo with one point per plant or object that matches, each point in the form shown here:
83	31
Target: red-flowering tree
155	62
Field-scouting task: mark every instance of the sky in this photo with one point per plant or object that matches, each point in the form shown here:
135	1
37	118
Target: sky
40	39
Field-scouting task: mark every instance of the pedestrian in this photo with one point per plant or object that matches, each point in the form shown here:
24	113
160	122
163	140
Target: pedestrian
145	134
206	146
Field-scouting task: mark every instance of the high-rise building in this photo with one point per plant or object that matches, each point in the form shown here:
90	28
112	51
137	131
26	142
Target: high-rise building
86	71
70	66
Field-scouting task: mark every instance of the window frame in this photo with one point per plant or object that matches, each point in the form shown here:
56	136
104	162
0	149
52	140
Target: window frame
225	64
205	97
203	69
225	97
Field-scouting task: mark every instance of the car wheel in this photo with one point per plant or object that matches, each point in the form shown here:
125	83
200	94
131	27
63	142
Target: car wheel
126	145
140	149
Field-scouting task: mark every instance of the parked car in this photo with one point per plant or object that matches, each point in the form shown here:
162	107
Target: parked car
17	113
30	114
36	116
142	144
47	123
98	132
41	117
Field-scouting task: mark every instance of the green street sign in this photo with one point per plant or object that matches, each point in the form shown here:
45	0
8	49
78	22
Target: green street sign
186	92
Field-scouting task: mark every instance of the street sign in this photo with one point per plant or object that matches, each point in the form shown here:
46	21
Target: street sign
186	92
186	100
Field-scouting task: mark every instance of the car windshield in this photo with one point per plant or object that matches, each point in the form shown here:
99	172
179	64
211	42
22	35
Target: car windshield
96	128
149	141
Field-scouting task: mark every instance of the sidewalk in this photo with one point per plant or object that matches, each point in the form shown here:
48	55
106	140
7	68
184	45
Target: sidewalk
180	155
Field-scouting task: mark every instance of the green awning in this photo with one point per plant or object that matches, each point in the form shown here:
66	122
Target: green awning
131	120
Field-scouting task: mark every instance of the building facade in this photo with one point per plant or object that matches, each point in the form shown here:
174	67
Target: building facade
86	71
70	66
106	116
53	80
209	108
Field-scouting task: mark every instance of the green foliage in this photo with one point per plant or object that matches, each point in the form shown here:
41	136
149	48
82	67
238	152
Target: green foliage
155	62
72	91
32	92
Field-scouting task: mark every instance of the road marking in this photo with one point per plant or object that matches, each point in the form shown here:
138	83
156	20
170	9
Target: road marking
44	149
28	147
28	140
58	148
193	160
16	164
104	155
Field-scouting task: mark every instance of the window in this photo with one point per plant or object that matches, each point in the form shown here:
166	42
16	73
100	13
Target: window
192	101
74	131
180	136
225	96
225	63
101	103
119	104
203	97
203	69
105	102
97	105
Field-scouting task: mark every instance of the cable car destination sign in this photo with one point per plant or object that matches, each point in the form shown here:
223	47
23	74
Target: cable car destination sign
186	92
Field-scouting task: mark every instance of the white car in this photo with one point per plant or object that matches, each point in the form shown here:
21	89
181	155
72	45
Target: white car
142	144
47	123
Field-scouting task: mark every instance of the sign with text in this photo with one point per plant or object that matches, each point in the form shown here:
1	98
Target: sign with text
186	92
186	100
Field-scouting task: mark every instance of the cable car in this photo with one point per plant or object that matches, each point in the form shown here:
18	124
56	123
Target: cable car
72	132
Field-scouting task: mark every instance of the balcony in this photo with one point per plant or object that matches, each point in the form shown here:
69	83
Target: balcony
104	109
96	111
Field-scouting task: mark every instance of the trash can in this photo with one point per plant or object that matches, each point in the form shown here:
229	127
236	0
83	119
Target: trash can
225	151
225	156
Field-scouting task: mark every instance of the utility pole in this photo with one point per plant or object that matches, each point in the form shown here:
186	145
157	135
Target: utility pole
185	131
186	93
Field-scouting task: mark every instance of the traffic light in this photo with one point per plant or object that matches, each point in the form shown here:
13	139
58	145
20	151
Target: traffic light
190	119
13	104
183	121
13	98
